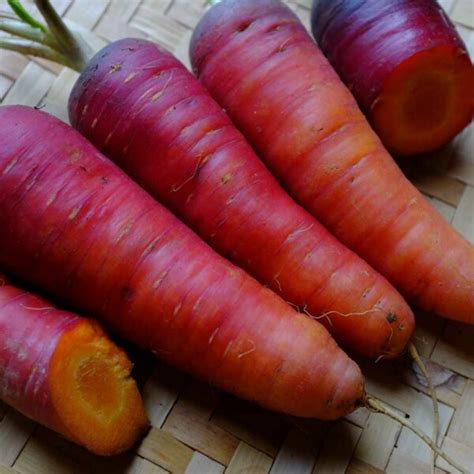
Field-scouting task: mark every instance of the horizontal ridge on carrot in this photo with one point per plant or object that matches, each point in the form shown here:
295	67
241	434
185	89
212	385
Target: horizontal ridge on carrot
144	110
62	370
76	226
406	65
260	64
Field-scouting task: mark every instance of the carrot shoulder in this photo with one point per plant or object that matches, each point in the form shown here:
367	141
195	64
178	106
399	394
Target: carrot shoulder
146	112
260	64
78	227
62	370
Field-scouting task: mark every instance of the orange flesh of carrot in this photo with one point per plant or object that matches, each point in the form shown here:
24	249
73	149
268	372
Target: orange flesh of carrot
63	371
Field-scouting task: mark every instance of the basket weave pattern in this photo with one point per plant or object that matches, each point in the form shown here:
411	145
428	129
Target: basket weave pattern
199	430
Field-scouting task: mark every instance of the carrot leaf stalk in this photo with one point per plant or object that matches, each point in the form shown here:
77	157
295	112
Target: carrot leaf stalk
21	12
55	42
32	49
70	43
419	362
378	406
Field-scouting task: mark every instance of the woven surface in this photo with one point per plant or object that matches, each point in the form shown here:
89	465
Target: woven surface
197	429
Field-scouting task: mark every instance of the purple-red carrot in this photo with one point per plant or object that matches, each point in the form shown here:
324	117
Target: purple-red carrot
260	64
406	65
143	109
63	371
76	226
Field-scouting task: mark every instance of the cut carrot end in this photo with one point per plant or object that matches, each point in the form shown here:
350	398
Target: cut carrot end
426	101
97	403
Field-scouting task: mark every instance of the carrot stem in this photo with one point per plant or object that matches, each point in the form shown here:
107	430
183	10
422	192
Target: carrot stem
55	42
21	12
378	406
19	29
71	45
31	48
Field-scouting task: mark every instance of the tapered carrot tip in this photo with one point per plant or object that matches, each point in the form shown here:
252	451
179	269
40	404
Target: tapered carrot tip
96	401
425	101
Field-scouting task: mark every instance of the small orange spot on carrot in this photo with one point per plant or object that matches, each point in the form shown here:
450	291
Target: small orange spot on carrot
74	213
213	335
130	77
123	232
283	46
156	96
10	166
249	351
115	68
177	309
204	160
33	308
226	178
227	349
184	130
74	155
51	199
158	281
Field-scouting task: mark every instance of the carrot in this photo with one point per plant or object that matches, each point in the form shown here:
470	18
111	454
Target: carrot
406	65
134	98
76	226
209	176
260	64
62	371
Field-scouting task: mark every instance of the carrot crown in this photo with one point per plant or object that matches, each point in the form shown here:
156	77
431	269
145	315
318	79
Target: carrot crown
53	40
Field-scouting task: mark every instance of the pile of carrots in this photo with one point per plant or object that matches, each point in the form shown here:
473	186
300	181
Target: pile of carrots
240	246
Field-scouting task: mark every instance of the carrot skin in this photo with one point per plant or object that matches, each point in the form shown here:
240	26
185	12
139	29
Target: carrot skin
43	354
29	342
78	227
260	64
406	65
146	112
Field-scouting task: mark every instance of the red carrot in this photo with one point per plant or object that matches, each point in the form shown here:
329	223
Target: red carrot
405	64
77	227
144	110
260	64
62	370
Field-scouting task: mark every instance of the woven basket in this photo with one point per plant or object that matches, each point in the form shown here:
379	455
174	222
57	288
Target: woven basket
197	429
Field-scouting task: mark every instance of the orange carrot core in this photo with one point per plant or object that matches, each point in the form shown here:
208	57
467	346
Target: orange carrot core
97	403
425	101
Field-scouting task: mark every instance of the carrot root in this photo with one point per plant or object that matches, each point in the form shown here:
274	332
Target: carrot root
378	406
417	359
62	371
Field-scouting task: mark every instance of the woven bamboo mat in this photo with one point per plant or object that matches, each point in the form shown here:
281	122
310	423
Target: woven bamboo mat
197	429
